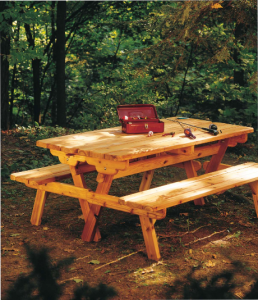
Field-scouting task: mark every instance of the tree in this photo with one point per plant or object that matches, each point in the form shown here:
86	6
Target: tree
5	52
60	63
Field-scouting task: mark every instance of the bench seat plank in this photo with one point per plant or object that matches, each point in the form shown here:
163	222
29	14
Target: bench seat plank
43	175
193	188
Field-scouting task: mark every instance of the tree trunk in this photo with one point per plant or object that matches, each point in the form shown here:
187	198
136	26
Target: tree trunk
60	63
239	77
4	51
37	89
36	76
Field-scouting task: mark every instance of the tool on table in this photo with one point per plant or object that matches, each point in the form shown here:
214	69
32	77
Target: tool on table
212	128
170	133
187	131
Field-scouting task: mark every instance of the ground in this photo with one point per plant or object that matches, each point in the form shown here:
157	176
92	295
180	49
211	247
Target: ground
207	239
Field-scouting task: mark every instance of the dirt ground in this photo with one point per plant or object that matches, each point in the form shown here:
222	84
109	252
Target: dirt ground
207	239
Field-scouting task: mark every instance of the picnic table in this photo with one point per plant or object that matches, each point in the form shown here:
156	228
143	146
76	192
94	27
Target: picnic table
113	154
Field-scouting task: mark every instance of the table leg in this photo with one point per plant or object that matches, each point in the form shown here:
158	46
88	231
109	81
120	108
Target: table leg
146	180
150	238
38	207
85	206
217	158
90	227
190	172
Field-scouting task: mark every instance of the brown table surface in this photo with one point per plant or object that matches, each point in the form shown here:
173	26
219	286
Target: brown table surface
112	144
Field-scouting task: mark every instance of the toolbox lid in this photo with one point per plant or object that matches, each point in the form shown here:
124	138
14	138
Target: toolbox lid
137	110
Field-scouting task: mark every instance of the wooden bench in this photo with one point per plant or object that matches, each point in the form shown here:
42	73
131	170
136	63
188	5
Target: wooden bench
187	190
150	204
42	176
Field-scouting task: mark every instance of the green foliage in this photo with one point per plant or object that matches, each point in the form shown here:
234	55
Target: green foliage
182	56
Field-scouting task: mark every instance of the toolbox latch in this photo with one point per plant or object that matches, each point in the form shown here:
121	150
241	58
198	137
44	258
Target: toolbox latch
146	125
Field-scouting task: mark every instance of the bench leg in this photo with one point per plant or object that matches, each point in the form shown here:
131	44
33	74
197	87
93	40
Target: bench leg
90	228
85	206
190	172
150	238
38	207
254	188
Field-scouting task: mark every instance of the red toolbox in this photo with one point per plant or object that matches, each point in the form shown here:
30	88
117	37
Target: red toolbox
139	118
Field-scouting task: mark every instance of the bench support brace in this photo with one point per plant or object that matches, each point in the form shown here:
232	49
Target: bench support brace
38	207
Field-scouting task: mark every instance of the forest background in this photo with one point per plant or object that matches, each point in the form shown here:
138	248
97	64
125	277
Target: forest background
70	63
66	65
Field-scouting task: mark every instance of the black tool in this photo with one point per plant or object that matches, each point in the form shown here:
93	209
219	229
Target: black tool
187	131
211	130
213	126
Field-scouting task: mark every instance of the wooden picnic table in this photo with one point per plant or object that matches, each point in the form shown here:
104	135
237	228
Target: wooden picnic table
114	154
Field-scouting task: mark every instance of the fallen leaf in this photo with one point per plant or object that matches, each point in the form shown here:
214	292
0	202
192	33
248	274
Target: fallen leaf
77	280
214	256
45	228
210	264
102	251
94	262
216	5
190	251
9	249
18	215
69	250
81	217
147	270
14	234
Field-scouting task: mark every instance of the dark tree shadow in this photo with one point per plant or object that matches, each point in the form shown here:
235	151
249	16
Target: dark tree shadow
42	282
220	286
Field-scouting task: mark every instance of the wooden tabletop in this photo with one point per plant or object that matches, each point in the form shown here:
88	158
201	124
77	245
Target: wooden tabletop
112	144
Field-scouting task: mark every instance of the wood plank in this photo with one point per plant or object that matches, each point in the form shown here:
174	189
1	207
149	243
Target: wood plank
150	238
166	160
238	139
254	188
146	180
38	207
112	144
190	172
144	138
179	192
43	175
217	158
140	149
186	197
178	137
90	227
94	198
220	167
178	187
101	165
85	207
